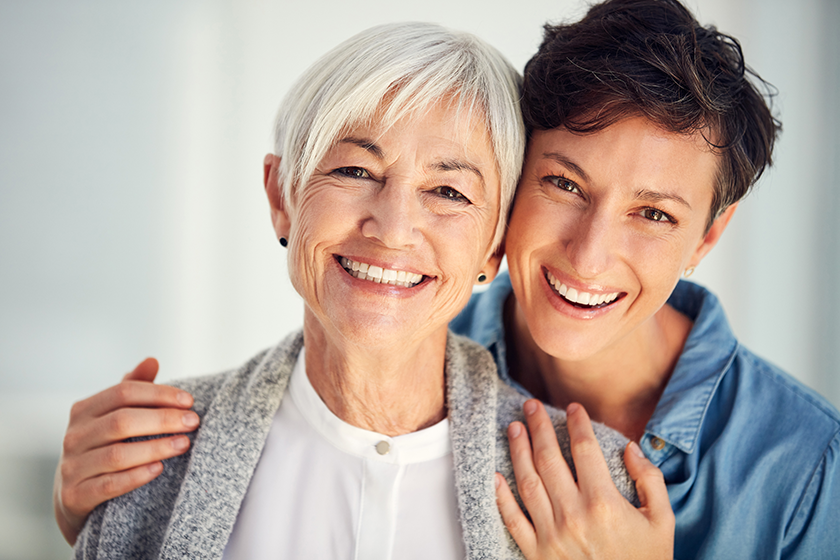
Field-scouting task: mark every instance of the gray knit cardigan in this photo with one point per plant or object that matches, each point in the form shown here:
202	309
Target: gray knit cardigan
190	509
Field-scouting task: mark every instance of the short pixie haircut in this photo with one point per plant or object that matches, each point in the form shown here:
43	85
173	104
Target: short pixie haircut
412	66
652	58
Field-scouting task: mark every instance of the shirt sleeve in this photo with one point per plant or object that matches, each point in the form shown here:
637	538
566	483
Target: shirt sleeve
814	530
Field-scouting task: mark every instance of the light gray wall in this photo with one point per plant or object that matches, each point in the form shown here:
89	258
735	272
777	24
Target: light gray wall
133	222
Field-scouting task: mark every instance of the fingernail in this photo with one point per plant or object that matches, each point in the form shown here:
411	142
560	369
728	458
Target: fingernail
637	451
180	443
184	398
572	408
530	407
497	480
190	419
156	468
515	429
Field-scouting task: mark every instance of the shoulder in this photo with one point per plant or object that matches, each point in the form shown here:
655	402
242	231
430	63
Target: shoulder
797	431
509	409
758	385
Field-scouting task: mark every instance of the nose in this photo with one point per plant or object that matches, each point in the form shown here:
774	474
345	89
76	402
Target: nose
592	244
395	217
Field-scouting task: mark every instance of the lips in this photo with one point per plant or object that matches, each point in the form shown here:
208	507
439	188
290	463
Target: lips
379	275
581	299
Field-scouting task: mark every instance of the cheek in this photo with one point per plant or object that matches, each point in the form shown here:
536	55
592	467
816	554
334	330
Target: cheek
306	261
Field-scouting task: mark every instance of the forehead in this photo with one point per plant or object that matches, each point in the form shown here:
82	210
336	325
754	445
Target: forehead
441	129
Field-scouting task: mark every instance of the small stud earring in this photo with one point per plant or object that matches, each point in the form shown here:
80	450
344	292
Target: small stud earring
689	271
284	242
482	277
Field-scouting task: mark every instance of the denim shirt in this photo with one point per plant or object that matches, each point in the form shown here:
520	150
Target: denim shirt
750	455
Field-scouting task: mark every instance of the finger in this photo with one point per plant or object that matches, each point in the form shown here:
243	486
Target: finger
593	474
86	496
130	394
516	522
650	485
528	481
146	370
126	423
548	459
121	457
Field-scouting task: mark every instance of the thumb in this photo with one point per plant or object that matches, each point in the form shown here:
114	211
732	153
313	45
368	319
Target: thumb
146	370
650	485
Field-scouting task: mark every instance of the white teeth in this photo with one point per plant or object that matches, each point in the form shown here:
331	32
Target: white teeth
379	275
581	298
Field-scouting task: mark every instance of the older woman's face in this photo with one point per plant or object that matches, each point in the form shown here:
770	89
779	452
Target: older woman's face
389	235
603	226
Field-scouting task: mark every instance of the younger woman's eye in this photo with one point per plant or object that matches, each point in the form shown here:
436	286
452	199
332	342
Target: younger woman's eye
656	215
564	184
450	193
353	172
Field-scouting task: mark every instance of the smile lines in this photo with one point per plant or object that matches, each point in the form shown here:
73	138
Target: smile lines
364	271
580	299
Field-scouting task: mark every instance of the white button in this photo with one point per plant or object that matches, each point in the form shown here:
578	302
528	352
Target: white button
383	447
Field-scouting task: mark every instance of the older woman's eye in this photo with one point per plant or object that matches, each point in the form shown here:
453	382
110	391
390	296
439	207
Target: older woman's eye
353	172
564	184
450	193
656	215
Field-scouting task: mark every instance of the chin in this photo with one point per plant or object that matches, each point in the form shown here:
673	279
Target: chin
569	346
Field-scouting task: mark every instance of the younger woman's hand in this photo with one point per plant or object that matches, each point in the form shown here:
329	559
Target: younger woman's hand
587	518
97	464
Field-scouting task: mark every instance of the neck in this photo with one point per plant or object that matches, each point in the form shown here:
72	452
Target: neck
620	386
393	388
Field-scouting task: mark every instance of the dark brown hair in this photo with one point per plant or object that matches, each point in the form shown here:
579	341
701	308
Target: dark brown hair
651	58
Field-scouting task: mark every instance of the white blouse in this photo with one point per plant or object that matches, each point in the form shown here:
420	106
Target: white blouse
326	489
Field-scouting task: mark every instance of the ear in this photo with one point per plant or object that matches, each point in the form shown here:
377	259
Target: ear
276	200
713	235
491	267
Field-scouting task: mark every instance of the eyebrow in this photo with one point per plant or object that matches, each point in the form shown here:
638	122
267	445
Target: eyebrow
365	144
655	196
563	160
458	165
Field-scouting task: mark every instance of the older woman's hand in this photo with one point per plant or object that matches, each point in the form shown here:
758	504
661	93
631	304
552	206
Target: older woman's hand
97	464
587	518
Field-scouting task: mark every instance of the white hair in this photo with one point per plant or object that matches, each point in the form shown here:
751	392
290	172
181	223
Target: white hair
413	66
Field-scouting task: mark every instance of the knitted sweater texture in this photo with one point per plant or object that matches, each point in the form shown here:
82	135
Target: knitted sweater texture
189	511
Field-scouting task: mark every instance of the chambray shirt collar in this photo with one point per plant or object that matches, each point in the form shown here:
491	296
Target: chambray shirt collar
707	355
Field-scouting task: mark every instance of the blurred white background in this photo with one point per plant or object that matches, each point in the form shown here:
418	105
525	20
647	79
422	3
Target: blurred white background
133	220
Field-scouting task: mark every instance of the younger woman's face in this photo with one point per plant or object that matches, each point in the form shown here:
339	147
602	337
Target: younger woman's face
602	228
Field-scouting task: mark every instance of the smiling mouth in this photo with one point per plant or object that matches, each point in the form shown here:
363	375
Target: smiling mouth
581	300
379	275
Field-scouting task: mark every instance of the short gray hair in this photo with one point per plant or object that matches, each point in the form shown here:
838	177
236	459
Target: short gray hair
413	65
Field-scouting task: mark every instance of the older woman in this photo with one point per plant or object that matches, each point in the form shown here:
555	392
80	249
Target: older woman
371	434
645	132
